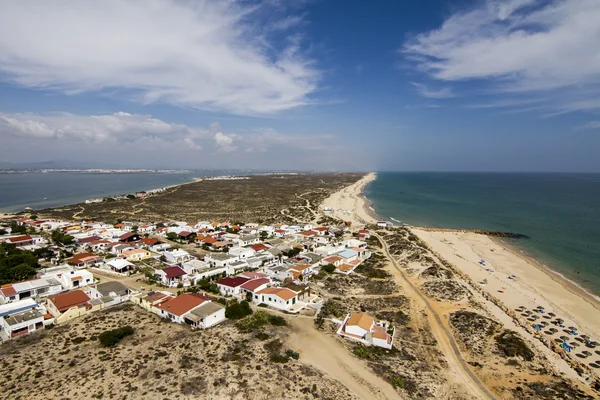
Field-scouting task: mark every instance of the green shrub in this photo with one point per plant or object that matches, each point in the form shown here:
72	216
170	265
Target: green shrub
329	268
114	336
277	320
292	354
235	310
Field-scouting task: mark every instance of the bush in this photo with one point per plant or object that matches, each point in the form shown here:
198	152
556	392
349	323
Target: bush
114	336
329	268
292	354
510	344
277	320
235	310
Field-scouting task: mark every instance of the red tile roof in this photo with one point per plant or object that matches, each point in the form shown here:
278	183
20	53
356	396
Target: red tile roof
283	293
258	247
127	235
255	283
232	282
173	272
8	290
65	301
182	303
150	241
20	239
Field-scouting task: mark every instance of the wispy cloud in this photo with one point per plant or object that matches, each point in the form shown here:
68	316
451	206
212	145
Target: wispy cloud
210	55
590	125
516	46
443	93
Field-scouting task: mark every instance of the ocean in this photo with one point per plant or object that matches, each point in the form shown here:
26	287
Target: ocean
41	190
559	212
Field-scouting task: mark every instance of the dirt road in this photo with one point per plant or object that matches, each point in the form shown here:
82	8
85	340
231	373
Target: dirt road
445	339
325	353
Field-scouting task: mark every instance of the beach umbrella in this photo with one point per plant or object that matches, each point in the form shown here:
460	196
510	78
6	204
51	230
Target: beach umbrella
585	336
540	307
595	365
572	328
564	337
553	330
587	353
552	314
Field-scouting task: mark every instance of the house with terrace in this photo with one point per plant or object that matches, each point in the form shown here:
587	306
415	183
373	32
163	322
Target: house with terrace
171	276
34	288
21	323
205	315
120	265
135	255
280	298
111	293
177	256
67	306
175	308
365	329
220	259
84	260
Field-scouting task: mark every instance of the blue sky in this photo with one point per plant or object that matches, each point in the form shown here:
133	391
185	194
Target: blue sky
455	85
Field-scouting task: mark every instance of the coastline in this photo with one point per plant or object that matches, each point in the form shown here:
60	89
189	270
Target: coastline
349	204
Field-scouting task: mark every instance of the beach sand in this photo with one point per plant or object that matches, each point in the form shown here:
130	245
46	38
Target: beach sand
349	204
533	285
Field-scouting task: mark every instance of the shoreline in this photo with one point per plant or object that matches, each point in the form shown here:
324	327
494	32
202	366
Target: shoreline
574	286
571	285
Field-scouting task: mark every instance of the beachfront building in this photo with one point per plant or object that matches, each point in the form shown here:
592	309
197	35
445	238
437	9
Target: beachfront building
67	306
34	288
281	298
206	315
111	293
365	329
21	323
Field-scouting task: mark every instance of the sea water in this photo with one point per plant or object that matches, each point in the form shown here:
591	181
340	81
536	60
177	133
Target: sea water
42	190
559	212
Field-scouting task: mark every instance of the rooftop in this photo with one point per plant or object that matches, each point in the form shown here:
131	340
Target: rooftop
182	303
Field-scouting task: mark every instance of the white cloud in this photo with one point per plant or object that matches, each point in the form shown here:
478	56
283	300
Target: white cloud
114	128
443	93
591	125
518	45
211	55
224	142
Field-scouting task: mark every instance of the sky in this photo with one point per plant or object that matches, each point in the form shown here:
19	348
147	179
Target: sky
430	85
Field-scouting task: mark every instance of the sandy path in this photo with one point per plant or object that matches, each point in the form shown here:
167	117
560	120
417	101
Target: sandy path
325	353
458	367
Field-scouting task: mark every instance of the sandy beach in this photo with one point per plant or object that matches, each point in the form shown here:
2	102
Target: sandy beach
515	287
349	204
521	286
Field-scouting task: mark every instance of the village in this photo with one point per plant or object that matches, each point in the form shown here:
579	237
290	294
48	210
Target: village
186	273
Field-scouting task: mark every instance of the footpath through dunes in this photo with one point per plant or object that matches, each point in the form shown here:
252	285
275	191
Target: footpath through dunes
329	356
457	365
257	198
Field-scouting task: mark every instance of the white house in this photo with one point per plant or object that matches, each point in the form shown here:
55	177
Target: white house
280	298
177	256
241	252
220	259
206	315
247	240
171	276
21	323
29	289
119	265
71	279
231	286
175	308
365	329
111	293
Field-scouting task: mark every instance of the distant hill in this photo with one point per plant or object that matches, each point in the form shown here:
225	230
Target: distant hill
59	164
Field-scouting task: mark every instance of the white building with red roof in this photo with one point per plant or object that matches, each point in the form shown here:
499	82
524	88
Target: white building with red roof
171	276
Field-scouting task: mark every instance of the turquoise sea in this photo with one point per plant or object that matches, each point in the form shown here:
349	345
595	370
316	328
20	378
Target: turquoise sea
559	212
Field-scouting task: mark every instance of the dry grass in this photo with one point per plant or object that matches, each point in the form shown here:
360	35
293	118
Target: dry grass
265	199
159	361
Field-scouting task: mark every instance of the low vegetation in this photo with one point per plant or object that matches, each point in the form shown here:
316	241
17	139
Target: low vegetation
114	336
16	265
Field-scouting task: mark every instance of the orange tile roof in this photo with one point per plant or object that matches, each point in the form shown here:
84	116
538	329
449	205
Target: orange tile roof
8	290
283	293
362	320
346	267
182	303
65	301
